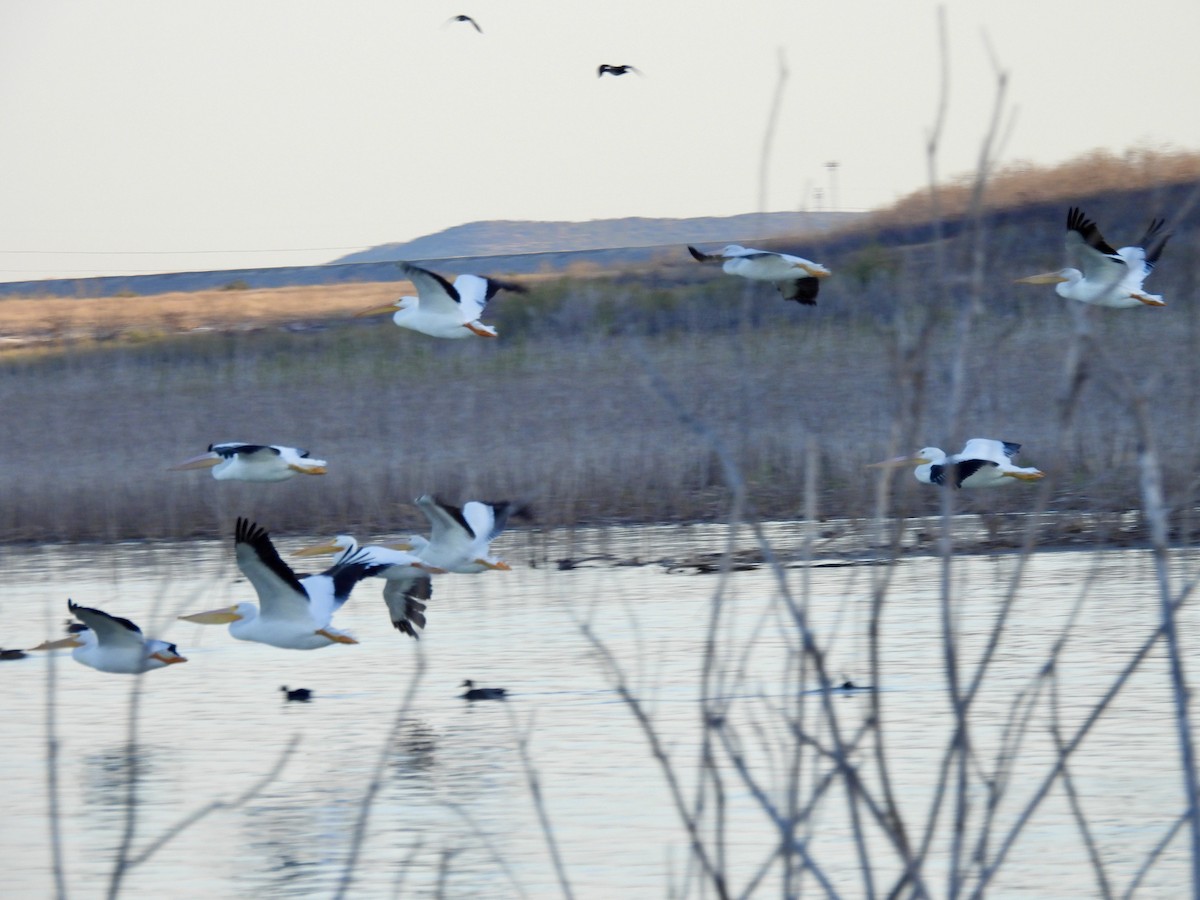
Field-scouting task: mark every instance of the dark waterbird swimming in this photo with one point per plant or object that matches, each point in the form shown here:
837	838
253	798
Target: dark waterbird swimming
474	693
299	695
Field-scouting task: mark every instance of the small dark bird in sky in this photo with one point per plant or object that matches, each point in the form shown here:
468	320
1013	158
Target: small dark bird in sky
474	693
474	24
300	695
606	69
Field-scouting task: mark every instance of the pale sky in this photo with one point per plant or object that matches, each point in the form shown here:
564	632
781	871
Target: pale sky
160	135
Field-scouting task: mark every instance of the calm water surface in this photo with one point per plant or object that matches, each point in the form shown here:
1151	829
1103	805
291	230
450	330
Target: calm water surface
454	814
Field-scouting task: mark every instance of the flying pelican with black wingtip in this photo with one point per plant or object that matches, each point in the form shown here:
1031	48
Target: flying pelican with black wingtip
294	611
606	69
112	644
236	461
460	538
408	586
442	309
983	462
796	278
1100	275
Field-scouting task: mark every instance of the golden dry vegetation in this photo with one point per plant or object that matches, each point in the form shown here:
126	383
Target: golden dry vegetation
71	319
1020	183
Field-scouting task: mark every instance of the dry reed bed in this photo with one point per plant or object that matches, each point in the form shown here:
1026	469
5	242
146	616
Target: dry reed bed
561	411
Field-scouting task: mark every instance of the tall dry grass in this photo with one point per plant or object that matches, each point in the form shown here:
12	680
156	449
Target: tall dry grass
558	411
1022	183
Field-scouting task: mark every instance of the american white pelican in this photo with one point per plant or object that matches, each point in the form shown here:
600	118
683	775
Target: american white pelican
796	278
606	69
1100	275
459	539
467	19
294	611
474	693
442	309
982	463
408	586
298	695
235	461
112	644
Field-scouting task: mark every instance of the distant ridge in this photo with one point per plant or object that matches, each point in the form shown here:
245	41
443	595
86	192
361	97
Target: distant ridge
505	237
499	247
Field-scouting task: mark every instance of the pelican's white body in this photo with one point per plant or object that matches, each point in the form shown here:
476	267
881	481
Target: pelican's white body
996	457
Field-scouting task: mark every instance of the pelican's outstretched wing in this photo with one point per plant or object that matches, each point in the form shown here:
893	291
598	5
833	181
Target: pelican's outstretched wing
110	631
436	294
405	602
280	593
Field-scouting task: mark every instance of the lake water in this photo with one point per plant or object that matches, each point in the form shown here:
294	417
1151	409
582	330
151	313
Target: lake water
454	814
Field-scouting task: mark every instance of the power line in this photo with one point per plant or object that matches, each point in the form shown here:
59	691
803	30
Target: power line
183	252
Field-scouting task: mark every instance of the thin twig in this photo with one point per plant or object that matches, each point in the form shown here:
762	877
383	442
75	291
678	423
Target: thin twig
539	804
364	809
56	854
192	818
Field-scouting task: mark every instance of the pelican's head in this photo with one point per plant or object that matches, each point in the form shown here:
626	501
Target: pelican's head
340	543
223	616
164	654
922	457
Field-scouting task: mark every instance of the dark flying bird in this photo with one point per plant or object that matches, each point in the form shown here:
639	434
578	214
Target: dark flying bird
606	69
473	23
1098	274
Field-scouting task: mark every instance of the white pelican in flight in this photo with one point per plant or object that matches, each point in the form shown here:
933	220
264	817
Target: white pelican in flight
796	278
459	539
112	644
294	611
982	463
235	461
442	309
408	587
1097	273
